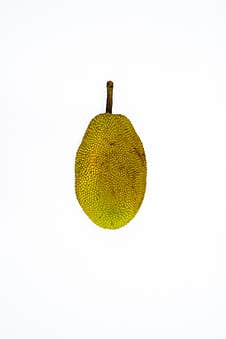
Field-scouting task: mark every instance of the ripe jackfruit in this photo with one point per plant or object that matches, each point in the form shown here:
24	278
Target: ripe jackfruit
110	169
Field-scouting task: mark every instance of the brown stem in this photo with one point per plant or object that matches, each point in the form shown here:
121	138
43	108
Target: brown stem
109	97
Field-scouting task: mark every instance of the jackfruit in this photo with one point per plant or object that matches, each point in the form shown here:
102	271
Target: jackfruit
110	169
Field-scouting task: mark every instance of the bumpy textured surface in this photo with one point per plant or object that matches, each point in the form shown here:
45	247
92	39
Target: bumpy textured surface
110	171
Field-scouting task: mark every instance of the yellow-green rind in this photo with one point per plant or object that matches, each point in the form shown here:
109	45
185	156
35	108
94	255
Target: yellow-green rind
110	171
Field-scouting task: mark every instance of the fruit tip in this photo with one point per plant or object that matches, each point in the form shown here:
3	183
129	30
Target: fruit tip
109	83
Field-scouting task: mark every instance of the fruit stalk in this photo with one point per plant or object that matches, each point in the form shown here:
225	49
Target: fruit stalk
109	97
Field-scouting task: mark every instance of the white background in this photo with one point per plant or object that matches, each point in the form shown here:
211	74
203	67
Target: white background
164	274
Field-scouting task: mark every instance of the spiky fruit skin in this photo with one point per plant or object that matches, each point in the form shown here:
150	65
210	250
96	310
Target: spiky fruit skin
110	171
